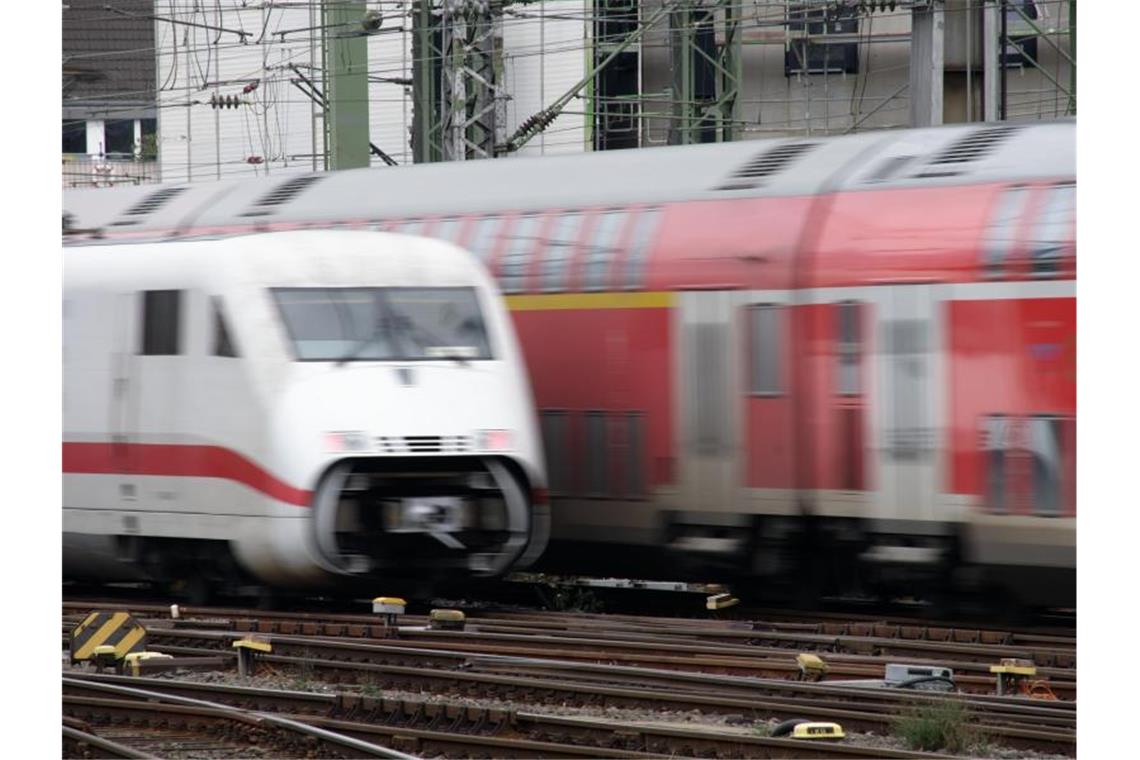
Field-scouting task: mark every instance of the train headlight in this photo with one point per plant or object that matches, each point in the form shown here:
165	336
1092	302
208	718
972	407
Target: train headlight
495	440
346	440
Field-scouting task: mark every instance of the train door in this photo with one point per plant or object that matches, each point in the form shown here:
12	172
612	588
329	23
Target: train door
708	373
123	406
907	402
156	390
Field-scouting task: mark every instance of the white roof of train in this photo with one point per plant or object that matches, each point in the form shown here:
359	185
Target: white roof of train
940	155
278	259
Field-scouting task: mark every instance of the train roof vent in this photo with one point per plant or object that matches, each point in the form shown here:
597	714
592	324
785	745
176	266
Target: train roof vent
148	205
283	193
889	168
976	145
767	164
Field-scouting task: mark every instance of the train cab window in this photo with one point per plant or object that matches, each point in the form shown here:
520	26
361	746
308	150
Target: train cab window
223	343
558	250
1001	231
160	317
643	233
848	346
483	238
602	249
375	324
764	326
522	241
1053	232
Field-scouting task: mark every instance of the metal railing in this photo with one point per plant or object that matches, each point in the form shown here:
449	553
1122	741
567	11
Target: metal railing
81	170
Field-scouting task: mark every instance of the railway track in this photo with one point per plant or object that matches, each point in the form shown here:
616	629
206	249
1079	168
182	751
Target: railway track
457	731
749	657
716	667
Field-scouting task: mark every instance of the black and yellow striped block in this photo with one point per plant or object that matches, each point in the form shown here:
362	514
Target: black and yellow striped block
116	629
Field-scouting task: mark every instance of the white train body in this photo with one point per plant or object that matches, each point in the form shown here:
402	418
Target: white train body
209	425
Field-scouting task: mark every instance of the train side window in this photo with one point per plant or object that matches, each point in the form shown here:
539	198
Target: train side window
995	436
555	444
764	324
1001	232
482	241
1045	447
596	453
447	229
161	316
522	240
223	343
643	233
1051	234
635	447
558	250
849	346
602	249
411	227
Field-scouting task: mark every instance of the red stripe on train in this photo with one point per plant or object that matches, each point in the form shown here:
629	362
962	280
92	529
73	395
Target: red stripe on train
178	460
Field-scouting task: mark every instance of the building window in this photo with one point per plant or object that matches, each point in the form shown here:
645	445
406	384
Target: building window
808	53
160	333
1001	232
617	87
74	136
1021	48
119	136
764	322
1053	231
223	343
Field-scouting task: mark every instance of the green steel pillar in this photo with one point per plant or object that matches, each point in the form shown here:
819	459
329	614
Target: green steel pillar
706	75
346	84
426	62
1073	54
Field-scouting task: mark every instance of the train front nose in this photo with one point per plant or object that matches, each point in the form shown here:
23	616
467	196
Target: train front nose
418	469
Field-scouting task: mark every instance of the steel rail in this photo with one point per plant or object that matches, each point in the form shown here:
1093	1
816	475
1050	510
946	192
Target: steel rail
226	711
107	747
605	734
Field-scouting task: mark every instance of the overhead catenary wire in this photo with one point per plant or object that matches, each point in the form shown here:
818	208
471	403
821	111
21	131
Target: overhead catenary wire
269	111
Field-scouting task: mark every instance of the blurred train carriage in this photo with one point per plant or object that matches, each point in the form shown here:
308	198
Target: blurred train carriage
298	408
840	362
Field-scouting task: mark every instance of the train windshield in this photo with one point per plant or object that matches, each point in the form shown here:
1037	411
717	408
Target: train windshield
370	324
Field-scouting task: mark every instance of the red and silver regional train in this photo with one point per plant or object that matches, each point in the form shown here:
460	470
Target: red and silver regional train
830	362
302	408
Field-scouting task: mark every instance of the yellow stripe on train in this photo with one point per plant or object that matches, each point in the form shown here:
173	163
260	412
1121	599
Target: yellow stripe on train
562	301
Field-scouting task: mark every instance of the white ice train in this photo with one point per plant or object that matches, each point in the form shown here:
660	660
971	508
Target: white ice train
295	408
